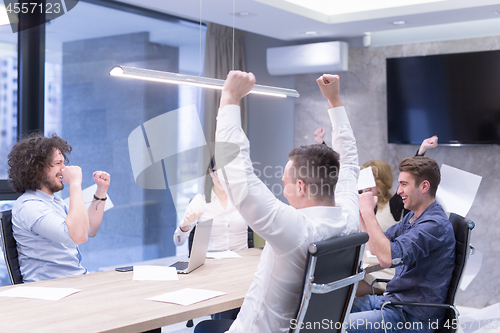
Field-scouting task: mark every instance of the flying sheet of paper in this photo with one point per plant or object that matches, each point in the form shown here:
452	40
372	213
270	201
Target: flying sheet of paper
223	255
457	190
88	196
186	296
154	273
471	269
366	179
50	294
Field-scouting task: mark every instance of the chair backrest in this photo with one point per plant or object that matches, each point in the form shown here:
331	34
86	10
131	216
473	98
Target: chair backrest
9	248
462	228
333	271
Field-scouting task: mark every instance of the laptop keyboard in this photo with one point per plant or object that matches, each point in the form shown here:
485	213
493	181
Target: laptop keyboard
180	265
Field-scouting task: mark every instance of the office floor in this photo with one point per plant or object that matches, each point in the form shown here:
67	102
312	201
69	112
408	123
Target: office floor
181	327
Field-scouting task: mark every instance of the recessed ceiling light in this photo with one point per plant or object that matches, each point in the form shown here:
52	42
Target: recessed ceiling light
311	33
243	14
399	22
329	7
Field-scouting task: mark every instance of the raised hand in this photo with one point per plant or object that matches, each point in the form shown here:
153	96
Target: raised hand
367	203
72	175
319	135
238	84
102	179
431	142
190	217
330	88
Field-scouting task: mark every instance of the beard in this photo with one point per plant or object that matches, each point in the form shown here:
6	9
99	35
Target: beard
53	185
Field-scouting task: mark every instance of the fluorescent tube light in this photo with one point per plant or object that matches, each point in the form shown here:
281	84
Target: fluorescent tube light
204	82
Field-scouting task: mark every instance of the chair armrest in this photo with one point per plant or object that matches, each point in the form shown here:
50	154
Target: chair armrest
429	305
426	305
378	280
373	268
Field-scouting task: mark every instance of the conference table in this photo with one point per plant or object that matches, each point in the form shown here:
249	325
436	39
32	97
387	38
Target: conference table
111	301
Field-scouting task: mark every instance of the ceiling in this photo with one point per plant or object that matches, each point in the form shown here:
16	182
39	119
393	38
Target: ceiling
290	21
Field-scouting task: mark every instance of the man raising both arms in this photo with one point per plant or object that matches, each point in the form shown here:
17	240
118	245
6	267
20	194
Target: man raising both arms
320	185
46	231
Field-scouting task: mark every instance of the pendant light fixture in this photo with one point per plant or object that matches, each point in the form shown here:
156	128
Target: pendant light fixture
198	81
191	80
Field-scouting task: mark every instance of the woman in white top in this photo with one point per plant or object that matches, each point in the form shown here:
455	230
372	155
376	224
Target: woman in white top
229	229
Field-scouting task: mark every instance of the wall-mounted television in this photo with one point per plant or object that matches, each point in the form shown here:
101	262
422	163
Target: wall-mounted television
454	96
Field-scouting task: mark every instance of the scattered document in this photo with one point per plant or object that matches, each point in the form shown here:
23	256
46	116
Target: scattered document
88	197
154	273
366	179
186	296
471	269
457	190
50	294
223	255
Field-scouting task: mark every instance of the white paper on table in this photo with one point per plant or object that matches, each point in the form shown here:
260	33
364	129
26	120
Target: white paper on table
50	294
186	296
154	273
88	197
223	255
457	190
471	269
366	179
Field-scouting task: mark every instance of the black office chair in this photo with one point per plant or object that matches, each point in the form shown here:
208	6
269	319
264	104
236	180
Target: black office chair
462	228
333	271
9	248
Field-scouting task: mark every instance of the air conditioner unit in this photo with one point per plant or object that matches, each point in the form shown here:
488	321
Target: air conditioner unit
328	57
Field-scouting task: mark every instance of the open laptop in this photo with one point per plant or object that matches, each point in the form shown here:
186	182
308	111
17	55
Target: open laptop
198	250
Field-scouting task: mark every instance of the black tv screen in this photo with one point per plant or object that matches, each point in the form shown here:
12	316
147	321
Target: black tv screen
453	96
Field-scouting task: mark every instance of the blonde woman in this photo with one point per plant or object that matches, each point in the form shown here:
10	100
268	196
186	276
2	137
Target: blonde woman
383	180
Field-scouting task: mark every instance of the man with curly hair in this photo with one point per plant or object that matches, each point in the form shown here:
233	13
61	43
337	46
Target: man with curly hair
46	230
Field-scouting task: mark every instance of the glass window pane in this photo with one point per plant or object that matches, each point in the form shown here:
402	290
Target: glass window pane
8	94
97	113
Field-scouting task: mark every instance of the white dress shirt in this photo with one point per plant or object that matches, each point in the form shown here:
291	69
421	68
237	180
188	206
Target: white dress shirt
273	297
229	229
